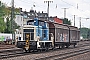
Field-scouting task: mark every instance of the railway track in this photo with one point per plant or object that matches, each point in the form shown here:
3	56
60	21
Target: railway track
11	53
61	56
80	49
83	43
56	53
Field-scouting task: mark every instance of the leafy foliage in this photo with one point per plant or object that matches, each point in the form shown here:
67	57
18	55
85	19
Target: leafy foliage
8	26
88	34
84	32
6	12
2	25
66	21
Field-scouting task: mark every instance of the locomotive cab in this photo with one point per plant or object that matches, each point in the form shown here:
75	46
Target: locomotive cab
28	39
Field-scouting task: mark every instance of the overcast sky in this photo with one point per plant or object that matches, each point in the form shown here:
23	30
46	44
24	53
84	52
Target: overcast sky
80	8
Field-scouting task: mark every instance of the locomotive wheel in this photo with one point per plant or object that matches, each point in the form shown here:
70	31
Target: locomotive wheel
62	46
53	48
59	46
26	50
29	51
74	45
46	49
67	46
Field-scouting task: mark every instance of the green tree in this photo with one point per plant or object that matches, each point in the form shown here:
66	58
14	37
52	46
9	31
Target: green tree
6	11
7	29
2	25
84	32
66	21
2	14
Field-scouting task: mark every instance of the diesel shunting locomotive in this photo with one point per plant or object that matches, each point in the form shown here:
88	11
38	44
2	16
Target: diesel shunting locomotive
38	35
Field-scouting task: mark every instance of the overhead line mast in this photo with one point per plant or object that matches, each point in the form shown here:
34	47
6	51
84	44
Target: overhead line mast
64	12
48	5
74	19
12	17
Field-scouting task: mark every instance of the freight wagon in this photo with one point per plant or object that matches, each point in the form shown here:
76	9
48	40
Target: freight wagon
64	35
38	35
